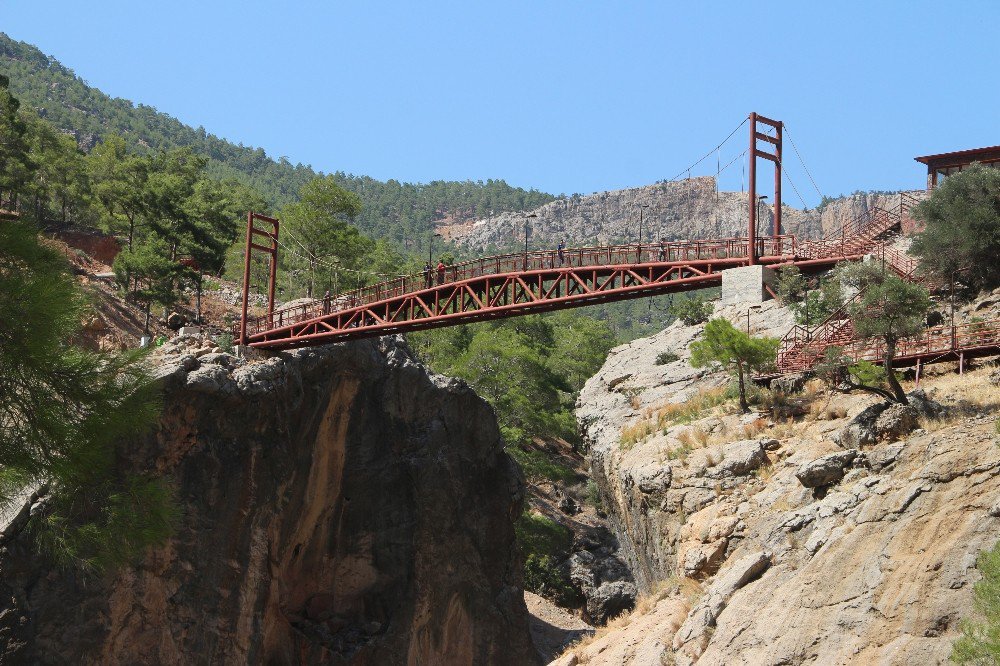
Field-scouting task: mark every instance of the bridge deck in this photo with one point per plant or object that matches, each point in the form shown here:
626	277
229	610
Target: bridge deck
513	284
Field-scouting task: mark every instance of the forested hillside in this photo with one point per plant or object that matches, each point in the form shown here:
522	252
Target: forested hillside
400	212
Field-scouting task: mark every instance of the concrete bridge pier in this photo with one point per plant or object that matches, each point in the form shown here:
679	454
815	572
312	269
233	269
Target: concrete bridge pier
746	284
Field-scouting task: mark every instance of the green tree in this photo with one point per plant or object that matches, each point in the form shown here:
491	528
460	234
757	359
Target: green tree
791	285
319	228
980	640
511	373
724	345
889	309
16	166
119	184
691	310
62	411
961	233
580	346
148	276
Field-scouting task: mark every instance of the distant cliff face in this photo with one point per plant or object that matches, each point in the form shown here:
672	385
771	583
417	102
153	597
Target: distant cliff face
340	506
686	209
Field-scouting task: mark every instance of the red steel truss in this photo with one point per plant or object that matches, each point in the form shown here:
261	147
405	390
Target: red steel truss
510	285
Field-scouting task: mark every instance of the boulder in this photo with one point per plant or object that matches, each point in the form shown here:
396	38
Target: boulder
994	378
789	384
220	358
611	600
895	422
175	321
925	406
568	506
740	458
605	583
210	379
861	429
825	470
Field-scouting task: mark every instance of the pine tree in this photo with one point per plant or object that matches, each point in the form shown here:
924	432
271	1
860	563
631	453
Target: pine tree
961	235
724	345
889	309
62	411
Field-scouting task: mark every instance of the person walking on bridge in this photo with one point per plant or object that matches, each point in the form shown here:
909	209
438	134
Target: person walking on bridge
561	250
440	270
662	254
427	274
326	302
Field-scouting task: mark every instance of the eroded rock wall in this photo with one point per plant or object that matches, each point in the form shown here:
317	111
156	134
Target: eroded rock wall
785	538
645	501
340	506
686	209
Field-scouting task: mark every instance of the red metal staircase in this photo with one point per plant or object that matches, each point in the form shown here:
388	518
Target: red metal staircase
869	233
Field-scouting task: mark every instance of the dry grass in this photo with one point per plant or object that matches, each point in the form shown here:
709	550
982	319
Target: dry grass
764	473
754	428
784	429
635	433
685	412
578	648
813	388
660	418
679	453
688	589
823	410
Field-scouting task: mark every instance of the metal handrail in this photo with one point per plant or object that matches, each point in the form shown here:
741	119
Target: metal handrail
581	257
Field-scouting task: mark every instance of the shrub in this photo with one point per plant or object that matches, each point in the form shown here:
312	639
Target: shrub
594	495
691	311
543	577
666	357
544	543
225	342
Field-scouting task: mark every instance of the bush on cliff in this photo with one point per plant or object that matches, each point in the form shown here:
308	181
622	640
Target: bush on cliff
692	310
724	345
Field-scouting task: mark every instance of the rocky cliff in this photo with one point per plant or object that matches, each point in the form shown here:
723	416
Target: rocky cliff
822	529
339	505
685	209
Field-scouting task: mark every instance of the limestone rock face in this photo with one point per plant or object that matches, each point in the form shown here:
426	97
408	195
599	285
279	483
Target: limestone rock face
686	209
839	537
340	506
643	489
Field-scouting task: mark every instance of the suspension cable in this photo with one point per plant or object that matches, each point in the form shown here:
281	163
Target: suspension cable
801	161
785	174
709	153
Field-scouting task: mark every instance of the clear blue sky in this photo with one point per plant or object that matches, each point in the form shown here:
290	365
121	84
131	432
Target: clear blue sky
564	96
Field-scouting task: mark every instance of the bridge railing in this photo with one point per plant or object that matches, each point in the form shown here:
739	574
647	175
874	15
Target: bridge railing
934	340
580	257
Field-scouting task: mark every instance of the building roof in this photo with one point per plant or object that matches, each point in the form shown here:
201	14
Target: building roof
961	156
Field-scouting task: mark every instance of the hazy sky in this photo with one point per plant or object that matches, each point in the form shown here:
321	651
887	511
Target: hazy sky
558	95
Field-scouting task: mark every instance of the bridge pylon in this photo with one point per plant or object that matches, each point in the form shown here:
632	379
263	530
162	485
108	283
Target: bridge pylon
756	135
271	250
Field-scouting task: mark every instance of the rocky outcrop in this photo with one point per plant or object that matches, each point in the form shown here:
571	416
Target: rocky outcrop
690	208
646	492
339	505
798	545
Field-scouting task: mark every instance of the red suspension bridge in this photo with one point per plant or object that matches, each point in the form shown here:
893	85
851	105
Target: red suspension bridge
511	285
